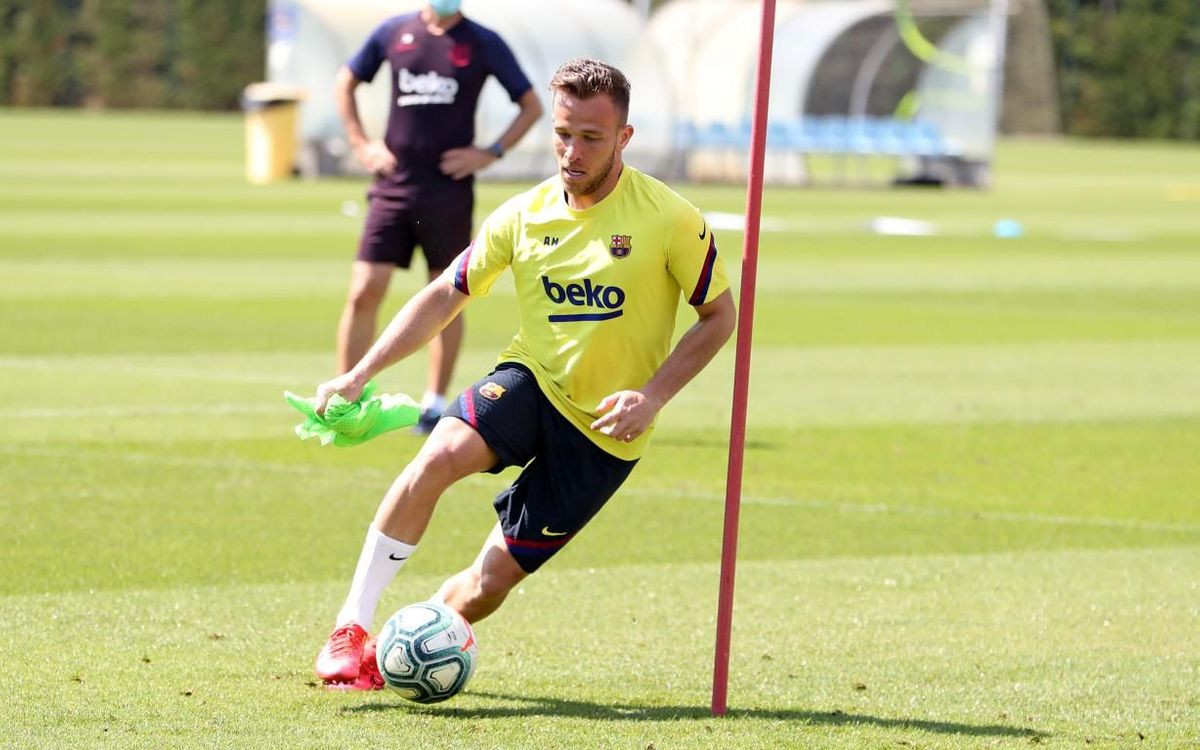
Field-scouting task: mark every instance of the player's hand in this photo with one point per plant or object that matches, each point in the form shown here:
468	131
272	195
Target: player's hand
349	386
461	163
376	157
627	414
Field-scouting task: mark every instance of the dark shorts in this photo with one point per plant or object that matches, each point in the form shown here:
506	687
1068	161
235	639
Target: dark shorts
439	222
567	477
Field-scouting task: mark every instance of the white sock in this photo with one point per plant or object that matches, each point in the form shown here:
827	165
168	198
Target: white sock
380	561
434	402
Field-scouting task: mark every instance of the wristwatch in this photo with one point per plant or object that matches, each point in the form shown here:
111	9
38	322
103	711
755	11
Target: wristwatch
496	150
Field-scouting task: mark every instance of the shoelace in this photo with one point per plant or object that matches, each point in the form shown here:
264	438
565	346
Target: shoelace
342	640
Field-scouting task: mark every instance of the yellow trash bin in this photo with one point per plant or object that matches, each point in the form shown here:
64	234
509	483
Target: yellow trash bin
271	141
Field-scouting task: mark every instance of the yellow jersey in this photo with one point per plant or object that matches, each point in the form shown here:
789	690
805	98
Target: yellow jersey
598	289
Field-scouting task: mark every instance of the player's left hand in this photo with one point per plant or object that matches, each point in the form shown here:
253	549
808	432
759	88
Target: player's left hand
627	414
461	163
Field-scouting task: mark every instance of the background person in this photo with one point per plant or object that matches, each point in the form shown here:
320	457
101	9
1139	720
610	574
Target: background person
423	192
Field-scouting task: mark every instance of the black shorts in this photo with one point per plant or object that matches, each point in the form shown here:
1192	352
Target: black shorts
439	222
567	477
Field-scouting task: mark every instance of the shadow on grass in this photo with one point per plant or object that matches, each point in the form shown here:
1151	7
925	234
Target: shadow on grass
540	706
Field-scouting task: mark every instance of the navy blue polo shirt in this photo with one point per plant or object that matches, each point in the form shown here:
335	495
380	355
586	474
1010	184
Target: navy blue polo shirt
436	81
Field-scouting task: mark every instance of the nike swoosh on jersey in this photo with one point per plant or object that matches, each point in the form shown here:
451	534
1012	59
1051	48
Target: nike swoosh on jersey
547	532
703	231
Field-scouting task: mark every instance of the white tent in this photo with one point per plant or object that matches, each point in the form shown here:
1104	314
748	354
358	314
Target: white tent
827	65
958	98
837	63
708	50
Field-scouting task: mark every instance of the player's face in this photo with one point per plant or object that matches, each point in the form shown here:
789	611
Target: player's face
588	141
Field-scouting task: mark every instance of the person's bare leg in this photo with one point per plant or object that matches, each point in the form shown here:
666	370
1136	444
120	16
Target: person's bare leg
480	589
356	329
443	352
453	451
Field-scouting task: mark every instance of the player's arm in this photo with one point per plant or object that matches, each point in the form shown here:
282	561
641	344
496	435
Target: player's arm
627	414
463	162
373	155
426	313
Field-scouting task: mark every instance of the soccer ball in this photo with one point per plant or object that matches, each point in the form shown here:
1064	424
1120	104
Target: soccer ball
426	652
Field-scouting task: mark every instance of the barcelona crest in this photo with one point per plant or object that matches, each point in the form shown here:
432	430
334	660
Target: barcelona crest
620	246
460	55
491	391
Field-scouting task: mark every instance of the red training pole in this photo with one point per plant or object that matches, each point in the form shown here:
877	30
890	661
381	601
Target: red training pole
741	369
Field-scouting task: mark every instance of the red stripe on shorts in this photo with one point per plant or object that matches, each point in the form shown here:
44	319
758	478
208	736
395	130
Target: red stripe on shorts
536	545
469	407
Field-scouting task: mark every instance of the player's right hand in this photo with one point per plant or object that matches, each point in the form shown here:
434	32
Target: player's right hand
376	157
348	385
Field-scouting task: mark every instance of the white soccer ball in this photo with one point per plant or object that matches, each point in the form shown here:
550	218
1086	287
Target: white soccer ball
426	652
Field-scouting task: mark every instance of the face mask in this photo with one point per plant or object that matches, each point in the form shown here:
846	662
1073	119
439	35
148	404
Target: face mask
445	7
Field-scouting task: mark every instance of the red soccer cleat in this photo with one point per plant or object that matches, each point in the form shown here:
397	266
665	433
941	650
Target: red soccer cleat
368	673
340	659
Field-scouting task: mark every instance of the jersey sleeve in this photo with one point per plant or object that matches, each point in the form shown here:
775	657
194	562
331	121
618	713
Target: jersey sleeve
366	63
502	64
692	257
475	269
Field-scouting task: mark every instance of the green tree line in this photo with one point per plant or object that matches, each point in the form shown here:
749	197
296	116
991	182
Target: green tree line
192	54
1128	68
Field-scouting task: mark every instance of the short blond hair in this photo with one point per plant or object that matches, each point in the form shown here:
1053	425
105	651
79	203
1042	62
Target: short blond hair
584	78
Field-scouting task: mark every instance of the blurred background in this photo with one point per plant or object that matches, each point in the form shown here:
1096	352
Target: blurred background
908	90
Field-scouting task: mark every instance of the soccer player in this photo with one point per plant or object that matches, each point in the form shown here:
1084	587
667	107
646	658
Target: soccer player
424	185
599	254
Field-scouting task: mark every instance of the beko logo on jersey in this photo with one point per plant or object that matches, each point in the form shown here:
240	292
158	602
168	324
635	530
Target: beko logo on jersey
609	299
425	88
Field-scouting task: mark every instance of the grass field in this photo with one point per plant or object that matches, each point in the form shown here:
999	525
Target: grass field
972	510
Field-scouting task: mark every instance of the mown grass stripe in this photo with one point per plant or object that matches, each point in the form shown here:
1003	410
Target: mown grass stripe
341	475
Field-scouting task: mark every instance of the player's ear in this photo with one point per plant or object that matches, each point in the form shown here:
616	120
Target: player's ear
623	135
